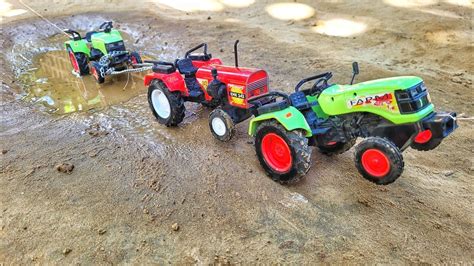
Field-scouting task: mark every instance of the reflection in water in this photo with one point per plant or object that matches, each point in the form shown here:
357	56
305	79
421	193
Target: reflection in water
53	85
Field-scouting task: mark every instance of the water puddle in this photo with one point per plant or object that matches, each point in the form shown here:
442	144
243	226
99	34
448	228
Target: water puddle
52	84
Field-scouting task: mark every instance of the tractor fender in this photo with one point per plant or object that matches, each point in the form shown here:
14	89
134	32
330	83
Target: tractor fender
173	81
78	46
290	118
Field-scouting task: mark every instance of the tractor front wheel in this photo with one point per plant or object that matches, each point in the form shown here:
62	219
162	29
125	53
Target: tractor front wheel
97	73
424	141
135	58
379	160
167	107
285	155
79	62
221	124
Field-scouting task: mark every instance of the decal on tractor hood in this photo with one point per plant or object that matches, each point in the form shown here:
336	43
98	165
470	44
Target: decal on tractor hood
204	83
385	100
236	94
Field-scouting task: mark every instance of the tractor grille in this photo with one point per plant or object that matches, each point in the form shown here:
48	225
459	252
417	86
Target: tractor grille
115	46
258	84
413	100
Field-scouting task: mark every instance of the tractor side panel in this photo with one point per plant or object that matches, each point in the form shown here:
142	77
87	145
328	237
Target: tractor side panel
290	118
78	46
174	81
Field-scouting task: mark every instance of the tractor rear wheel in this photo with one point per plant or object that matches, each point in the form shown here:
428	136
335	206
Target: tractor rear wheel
336	148
96	72
221	124
379	160
167	107
424	141
79	62
285	155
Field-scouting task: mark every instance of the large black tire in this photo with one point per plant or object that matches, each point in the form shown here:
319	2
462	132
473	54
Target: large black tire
79	62
379	160
221	124
135	58
96	72
168	107
337	148
298	147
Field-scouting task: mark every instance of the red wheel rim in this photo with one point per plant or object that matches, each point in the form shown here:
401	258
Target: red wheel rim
276	153
375	162
74	63
423	137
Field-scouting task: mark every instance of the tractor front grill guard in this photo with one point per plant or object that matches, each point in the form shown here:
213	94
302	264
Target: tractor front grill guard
413	99
256	85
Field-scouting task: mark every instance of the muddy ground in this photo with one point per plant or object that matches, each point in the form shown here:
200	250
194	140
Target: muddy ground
133	178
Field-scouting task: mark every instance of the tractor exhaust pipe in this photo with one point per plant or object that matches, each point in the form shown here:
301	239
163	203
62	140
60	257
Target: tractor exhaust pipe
236	54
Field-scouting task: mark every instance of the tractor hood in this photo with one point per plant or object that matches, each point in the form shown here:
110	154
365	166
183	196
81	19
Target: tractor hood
377	97
104	37
377	85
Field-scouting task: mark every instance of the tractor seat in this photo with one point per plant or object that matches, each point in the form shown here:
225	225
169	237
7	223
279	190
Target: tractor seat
164	69
185	66
299	101
89	35
200	57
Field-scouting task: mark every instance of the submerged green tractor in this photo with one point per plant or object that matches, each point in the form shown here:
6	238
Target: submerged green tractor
101	53
391	115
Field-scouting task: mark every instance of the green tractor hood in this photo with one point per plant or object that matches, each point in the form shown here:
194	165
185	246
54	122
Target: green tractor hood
100	39
375	96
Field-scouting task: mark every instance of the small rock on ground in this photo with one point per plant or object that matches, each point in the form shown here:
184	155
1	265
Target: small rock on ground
65	167
175	227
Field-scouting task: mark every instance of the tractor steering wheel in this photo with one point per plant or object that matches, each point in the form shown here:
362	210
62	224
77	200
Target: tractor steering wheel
319	86
106	26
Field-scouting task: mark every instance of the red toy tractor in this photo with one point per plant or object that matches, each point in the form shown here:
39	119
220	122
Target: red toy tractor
202	79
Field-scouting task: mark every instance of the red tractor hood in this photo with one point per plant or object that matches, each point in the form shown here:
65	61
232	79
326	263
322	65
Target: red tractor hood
231	74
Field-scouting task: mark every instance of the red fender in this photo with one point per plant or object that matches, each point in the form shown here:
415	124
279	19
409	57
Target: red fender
173	81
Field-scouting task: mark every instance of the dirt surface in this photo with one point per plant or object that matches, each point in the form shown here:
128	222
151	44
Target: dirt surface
111	185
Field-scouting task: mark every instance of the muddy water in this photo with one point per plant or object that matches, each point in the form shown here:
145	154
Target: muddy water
52	84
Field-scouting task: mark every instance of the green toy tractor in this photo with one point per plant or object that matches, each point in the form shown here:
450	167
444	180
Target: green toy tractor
101	53
391	115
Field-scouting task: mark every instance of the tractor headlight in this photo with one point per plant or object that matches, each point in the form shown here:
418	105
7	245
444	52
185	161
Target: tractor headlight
413	99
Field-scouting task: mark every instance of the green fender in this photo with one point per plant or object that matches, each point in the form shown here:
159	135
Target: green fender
78	46
290	118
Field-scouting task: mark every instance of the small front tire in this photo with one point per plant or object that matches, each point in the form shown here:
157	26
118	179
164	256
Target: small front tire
378	160
135	58
221	124
168	107
96	72
79	62
424	141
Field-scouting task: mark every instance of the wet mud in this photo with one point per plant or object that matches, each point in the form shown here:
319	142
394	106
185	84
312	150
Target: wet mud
52	84
134	191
